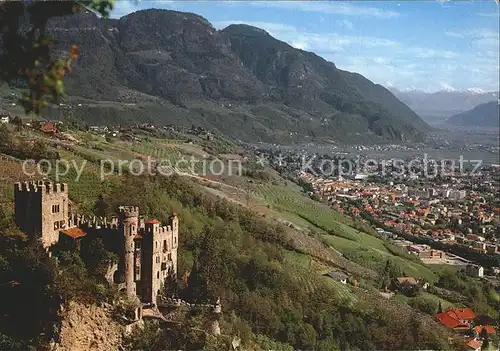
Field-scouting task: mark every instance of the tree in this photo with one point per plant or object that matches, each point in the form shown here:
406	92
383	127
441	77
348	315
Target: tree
102	207
486	342
207	279
440	307
18	122
5	138
27	54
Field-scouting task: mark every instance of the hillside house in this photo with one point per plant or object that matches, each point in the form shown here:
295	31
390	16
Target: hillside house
49	127
458	319
4	119
473	344
338	276
484	329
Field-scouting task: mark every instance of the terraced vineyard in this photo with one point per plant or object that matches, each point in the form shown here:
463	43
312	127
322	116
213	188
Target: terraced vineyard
156	150
364	249
367	250
310	273
171	157
289	200
85	186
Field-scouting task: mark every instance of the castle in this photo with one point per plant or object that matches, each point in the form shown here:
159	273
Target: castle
147	251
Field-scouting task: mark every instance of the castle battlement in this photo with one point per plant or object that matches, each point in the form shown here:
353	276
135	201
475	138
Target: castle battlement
41	187
129	211
165	229
93	223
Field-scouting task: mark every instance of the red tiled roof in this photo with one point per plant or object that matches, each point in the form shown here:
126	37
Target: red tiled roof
152	221
474	344
409	280
489	329
74	233
462	314
48	127
448	321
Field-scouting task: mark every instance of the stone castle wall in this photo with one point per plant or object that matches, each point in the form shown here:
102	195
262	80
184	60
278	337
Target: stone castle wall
147	250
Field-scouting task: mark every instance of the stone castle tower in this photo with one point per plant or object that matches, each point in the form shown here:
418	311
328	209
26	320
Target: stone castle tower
147	250
159	249
41	210
128	224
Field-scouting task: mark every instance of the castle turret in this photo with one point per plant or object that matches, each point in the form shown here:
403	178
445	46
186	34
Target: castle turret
174	224
127	223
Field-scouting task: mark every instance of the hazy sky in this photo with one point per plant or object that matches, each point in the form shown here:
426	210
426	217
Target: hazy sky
408	44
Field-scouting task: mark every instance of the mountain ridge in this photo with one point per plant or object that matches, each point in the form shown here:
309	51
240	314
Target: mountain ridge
483	116
440	105
239	80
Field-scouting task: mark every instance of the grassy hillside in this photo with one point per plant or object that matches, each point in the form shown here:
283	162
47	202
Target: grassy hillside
272	290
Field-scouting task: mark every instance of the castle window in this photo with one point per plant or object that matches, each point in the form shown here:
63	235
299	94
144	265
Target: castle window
175	240
157	259
158	274
164	245
156	244
56	225
61	224
55	208
170	257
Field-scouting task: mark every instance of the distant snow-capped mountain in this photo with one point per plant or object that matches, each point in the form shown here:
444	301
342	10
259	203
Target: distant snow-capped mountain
435	107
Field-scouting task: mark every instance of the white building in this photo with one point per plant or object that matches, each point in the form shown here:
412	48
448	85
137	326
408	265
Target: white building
474	270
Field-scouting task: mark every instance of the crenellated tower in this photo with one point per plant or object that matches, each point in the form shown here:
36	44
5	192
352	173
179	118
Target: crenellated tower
41	210
128	220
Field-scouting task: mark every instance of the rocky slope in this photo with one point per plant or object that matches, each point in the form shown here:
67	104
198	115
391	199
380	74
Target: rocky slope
174	67
86	328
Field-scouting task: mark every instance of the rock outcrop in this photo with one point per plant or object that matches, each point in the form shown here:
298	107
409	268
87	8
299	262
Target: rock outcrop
88	327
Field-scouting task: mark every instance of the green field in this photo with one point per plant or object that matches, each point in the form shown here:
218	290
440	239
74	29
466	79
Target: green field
427	296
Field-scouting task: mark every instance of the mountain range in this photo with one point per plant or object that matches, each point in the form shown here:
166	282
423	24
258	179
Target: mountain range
438	106
484	115
166	67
